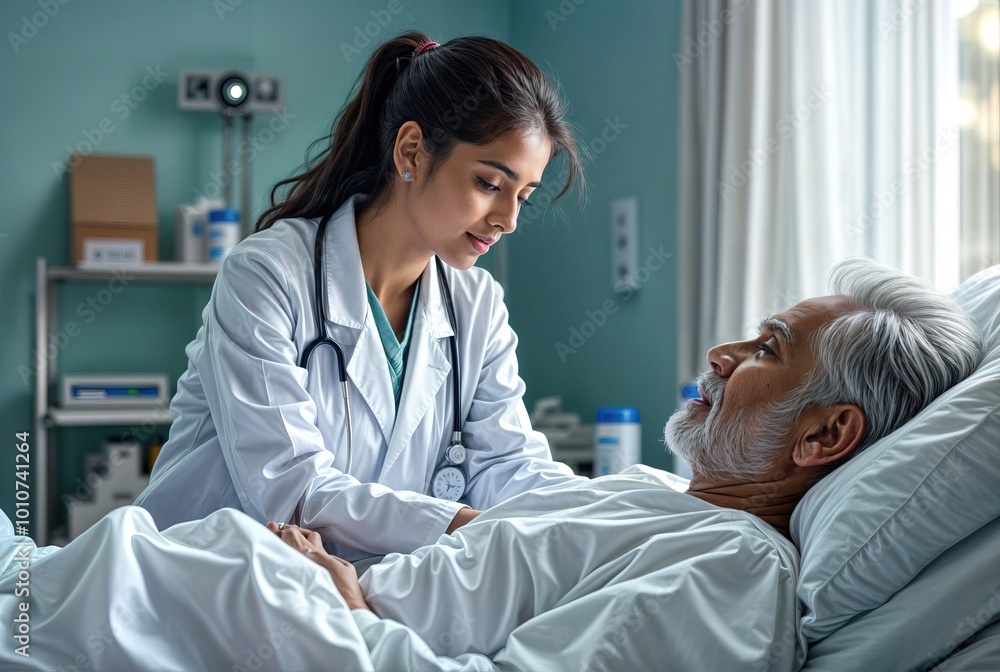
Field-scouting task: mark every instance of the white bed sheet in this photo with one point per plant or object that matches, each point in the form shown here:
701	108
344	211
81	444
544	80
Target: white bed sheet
222	593
621	573
225	593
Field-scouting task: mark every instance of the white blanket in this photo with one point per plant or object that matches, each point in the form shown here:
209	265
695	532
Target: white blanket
624	573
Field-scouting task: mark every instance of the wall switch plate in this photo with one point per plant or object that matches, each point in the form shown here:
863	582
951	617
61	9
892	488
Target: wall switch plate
624	243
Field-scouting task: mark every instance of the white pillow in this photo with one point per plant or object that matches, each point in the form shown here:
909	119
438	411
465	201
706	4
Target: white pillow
867	529
950	599
980	296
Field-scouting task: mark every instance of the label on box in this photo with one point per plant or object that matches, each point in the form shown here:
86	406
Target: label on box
113	251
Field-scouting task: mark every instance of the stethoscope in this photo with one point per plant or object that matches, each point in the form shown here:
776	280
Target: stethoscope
448	482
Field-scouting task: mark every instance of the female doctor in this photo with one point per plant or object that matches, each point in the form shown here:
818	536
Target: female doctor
418	423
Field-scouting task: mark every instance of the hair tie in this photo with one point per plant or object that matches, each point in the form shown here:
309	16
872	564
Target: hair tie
426	46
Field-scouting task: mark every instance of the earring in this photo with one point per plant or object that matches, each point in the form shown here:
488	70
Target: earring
407	176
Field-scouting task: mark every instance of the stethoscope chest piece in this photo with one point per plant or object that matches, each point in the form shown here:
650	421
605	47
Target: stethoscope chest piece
449	481
456	453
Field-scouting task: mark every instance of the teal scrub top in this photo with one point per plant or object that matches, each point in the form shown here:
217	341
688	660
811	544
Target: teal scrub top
395	350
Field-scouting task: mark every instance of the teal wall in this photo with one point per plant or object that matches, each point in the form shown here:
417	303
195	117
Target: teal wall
612	59
613	62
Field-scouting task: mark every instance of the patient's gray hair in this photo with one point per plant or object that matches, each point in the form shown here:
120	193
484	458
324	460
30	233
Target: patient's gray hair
899	346
903	345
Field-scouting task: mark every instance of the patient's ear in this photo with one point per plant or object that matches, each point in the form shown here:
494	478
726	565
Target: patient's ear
828	434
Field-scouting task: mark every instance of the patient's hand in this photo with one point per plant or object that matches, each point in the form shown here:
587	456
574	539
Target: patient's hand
345	577
310	544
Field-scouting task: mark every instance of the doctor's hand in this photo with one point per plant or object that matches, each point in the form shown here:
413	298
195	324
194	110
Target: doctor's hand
310	544
466	515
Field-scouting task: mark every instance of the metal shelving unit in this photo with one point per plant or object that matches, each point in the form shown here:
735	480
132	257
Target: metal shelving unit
79	417
49	416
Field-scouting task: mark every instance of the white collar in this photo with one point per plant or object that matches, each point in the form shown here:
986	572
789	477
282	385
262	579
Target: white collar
346	296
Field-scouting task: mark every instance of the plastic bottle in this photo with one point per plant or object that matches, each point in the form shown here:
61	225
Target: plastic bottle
617	440
189	230
223	233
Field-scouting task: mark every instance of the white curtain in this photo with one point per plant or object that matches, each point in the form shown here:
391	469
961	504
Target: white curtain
811	131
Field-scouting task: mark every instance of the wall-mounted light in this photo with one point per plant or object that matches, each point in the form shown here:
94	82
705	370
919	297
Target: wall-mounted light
234	90
218	90
232	93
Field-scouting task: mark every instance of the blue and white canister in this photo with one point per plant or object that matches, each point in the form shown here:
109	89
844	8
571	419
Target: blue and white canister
223	233
617	440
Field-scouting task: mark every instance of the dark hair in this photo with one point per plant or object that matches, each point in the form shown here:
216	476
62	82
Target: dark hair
470	89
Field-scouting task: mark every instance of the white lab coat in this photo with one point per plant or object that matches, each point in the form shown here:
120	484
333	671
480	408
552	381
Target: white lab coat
255	431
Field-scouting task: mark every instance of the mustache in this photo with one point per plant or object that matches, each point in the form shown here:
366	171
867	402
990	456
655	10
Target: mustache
713	386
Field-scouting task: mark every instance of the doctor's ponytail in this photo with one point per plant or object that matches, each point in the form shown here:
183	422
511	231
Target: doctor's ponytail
470	89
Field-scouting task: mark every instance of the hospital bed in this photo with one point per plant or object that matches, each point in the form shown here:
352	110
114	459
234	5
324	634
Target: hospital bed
900	551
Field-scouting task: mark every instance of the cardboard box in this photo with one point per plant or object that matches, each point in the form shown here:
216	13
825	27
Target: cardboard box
113	209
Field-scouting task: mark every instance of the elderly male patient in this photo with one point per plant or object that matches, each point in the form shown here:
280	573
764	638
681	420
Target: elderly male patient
636	571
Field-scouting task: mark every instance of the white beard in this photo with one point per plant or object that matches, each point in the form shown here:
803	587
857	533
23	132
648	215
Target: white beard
740	447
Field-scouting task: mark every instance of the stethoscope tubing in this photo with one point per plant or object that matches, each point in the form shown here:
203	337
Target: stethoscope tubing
319	306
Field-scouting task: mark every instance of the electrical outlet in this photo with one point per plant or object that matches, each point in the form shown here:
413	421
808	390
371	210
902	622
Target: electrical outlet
624	243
